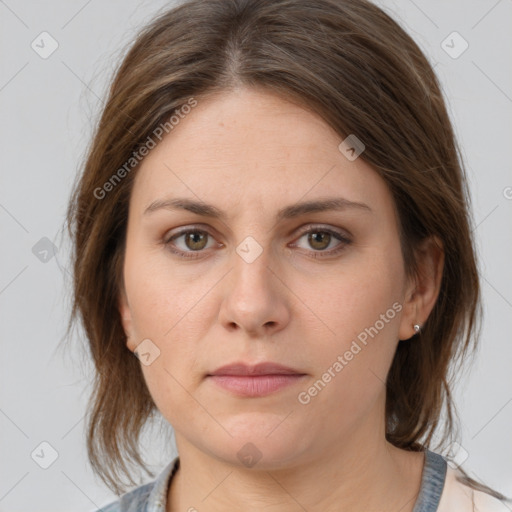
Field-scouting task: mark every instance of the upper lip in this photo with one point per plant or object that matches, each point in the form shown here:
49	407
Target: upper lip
266	368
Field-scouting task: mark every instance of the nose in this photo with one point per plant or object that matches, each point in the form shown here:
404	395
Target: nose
255	299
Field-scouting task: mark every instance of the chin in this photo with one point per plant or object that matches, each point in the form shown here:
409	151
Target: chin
259	441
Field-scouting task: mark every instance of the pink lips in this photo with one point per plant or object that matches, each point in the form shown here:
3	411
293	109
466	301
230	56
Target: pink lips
255	380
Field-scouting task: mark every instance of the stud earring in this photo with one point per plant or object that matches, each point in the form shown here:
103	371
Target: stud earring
417	328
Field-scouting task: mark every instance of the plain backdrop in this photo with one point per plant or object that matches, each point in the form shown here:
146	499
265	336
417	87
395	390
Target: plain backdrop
49	103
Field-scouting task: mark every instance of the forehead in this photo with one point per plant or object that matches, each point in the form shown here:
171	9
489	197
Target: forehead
250	148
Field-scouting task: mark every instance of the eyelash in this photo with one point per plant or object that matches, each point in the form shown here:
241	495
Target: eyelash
313	229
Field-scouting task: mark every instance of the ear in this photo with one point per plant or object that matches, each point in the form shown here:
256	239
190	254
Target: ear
423	288
126	320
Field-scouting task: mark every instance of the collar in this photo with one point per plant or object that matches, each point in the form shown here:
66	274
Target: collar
157	499
432	483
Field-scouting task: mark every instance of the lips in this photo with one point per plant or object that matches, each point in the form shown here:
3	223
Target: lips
254	381
243	369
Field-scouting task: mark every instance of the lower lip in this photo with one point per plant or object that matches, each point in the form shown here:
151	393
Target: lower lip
255	385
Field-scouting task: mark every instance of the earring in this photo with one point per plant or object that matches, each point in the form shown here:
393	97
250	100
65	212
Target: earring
417	328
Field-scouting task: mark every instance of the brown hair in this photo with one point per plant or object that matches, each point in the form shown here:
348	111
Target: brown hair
349	62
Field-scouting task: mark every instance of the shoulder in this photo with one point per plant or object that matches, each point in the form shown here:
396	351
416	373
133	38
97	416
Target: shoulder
459	496
134	501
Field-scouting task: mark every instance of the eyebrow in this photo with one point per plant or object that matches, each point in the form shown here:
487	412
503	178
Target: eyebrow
289	212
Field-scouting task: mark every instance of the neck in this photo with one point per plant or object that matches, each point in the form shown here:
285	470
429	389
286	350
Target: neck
361	473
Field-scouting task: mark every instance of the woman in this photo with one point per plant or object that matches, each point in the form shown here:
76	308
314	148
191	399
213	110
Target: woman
273	218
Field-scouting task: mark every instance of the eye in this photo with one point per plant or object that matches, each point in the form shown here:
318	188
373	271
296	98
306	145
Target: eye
320	238
192	241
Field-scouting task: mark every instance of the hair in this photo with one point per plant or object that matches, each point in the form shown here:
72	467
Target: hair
354	66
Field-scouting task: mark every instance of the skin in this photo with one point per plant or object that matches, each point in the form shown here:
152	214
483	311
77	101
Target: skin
251	153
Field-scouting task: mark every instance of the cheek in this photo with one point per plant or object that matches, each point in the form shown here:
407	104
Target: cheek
173	312
350	300
171	316
163	300
360	310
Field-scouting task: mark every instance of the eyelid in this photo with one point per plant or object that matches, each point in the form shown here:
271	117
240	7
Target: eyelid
305	228
322	227
189	229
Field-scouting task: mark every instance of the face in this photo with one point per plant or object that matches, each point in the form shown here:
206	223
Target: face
321	291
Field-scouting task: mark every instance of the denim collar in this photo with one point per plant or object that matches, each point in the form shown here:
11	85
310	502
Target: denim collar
432	483
157	499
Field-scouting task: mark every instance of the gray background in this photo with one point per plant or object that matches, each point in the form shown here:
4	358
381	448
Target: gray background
48	108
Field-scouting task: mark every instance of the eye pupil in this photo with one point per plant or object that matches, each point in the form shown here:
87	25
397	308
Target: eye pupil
319	237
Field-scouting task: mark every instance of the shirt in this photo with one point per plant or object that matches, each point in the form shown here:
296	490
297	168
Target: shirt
440	491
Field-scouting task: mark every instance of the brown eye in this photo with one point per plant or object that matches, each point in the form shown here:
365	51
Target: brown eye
196	240
188	243
319	242
319	239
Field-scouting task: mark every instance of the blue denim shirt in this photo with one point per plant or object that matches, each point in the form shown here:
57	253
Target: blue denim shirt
152	497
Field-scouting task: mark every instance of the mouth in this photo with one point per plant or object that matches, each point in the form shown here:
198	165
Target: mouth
255	380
